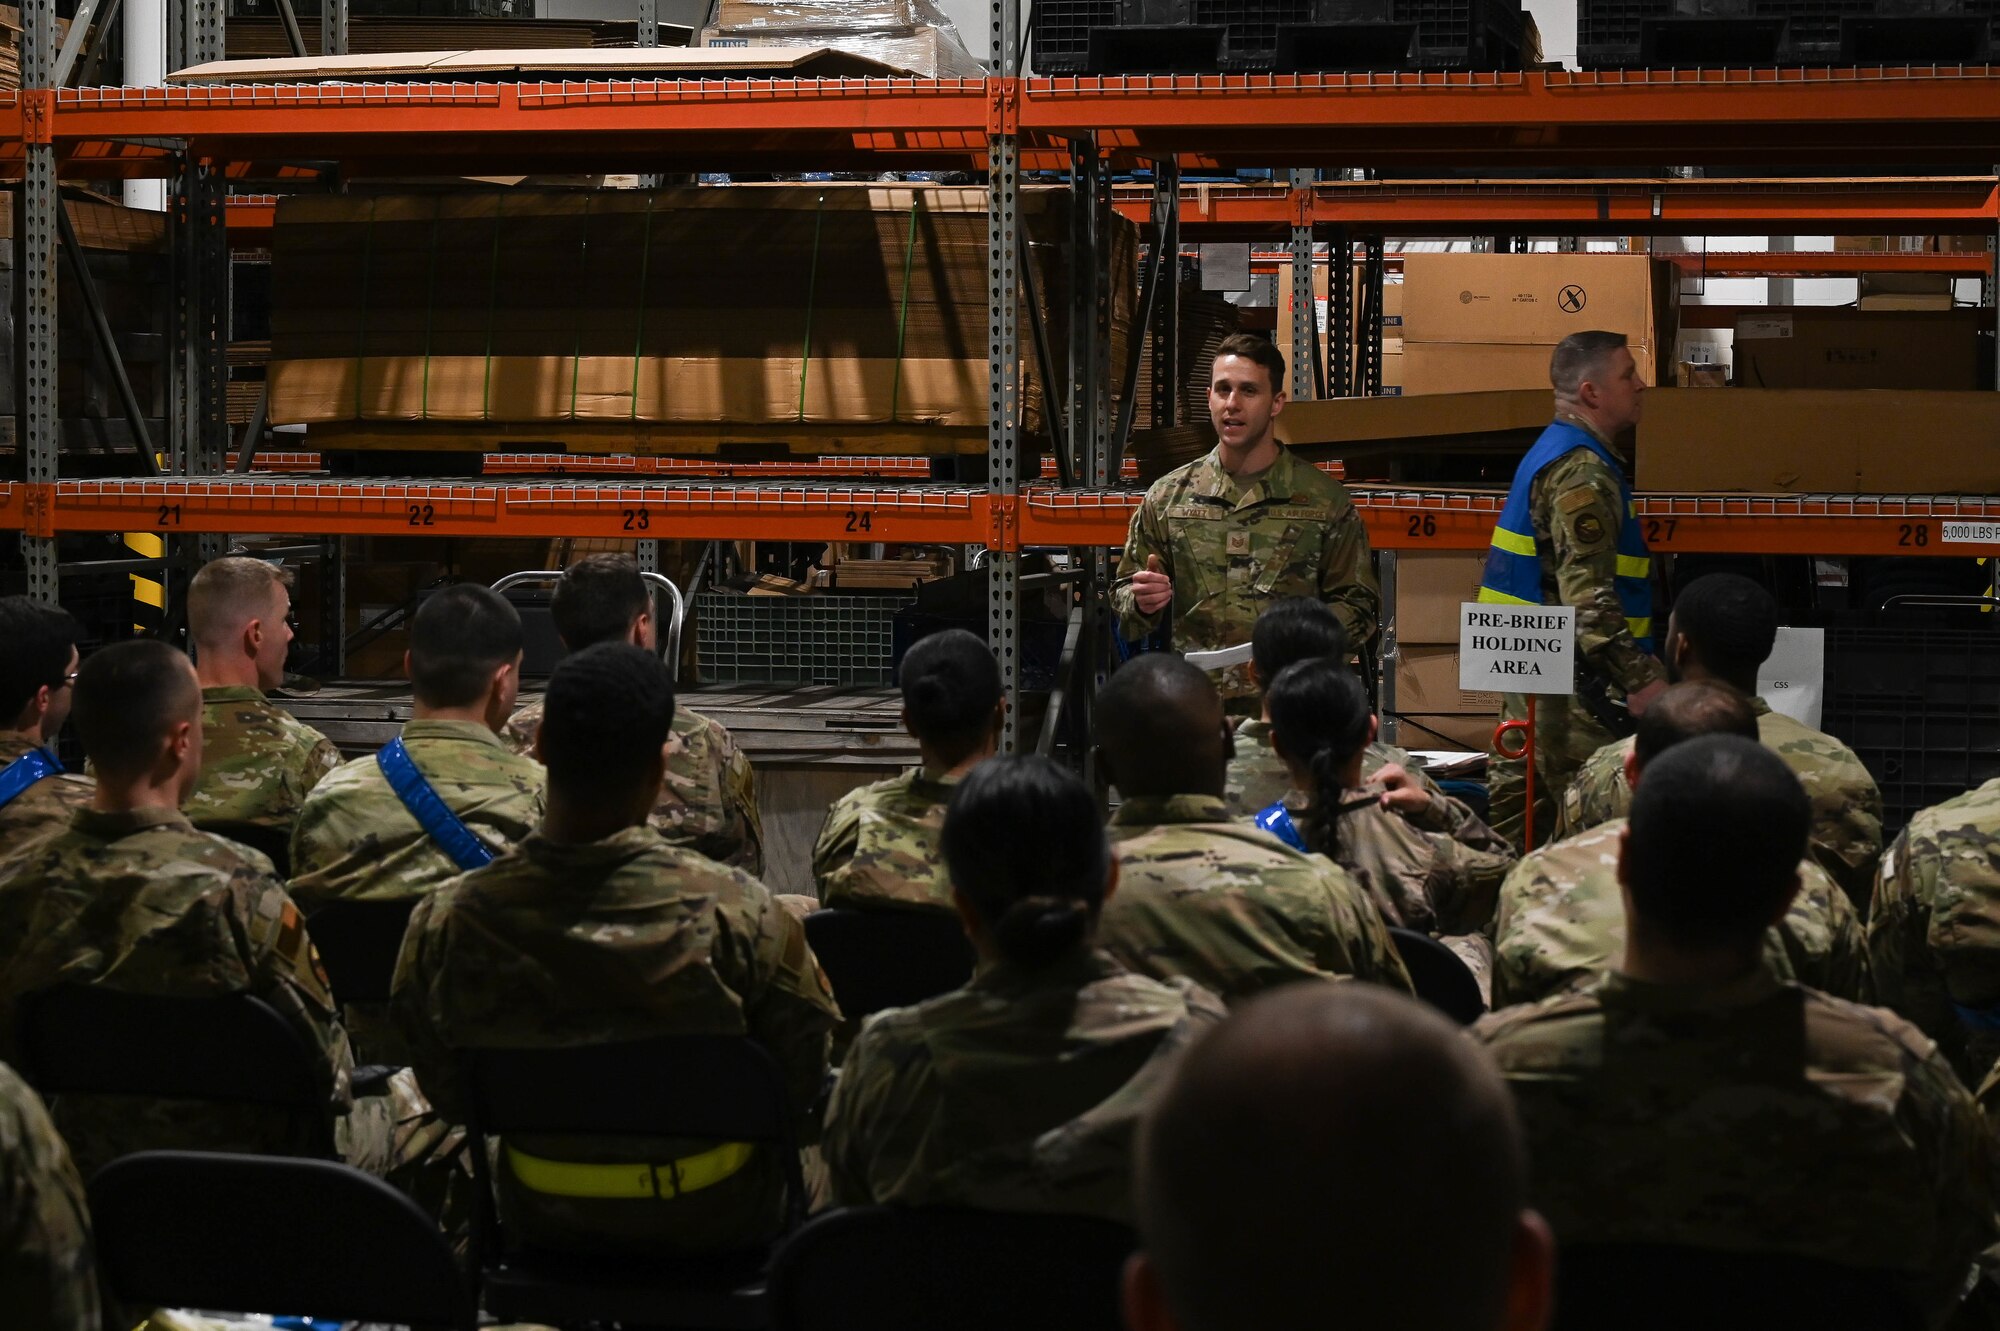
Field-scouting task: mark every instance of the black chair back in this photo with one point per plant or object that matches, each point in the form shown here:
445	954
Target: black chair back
720	1087
886	957
87	1039
881	1268
1440	977
274	1235
359	942
1665	1287
275	842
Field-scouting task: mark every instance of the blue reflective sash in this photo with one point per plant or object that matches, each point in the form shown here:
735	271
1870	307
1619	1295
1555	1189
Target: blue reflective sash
25	771
453	837
1277	820
1978	1018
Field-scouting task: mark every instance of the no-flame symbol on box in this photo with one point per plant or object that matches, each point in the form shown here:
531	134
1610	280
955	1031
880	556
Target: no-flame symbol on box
1572	299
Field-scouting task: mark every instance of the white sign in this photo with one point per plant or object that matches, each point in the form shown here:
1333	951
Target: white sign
1793	678
1516	648
1972	533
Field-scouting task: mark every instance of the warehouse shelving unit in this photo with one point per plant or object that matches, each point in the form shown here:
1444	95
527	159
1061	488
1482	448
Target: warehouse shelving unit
1006	125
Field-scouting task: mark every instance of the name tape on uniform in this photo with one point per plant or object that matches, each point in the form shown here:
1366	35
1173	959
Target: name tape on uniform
1516	648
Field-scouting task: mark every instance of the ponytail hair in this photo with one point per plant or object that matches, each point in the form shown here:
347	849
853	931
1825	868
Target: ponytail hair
1025	845
1319	720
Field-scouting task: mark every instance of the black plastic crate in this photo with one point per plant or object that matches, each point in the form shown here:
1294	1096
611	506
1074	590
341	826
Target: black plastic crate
1274	36
1920	707
1682	33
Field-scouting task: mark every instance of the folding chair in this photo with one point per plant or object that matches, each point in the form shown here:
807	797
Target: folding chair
1440	977
887	957
359	942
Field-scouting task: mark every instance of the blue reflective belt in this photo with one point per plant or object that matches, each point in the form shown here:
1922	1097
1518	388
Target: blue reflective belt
25	771
1277	820
1978	1018
453	837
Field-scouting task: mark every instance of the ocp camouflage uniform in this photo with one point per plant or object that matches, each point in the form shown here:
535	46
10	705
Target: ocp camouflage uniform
708	800
879	845
355	839
48	1270
1020	1092
1561	924
143	902
1934	933
1750	1116
1577	505
1232	908
1257	778
43	809
1233	545
1846	836
257	762
620	939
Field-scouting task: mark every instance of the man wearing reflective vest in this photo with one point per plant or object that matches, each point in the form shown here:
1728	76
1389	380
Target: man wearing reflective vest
1569	536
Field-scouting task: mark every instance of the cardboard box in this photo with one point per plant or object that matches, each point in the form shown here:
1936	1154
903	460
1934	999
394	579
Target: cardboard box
1445	731
1537	299
1322	429
927	52
1692	374
1458	367
1823	442
1905	291
1427	685
1836	348
1430	586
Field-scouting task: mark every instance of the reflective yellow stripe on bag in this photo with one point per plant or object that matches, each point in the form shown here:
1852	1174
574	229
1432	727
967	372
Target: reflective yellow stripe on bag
642	1179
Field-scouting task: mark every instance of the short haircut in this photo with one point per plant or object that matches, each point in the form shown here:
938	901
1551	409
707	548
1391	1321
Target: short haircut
1024	841
605	718
1731	623
36	640
128	696
1254	347
951	684
458	638
597	600
1579	358
1159	722
1718	828
1293	629
228	592
1319	719
1689	710
1268	1190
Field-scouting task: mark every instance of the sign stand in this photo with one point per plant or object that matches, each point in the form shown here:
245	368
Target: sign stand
1525	649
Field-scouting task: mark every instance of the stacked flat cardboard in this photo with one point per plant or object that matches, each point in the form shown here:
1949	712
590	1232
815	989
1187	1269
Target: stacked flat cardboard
758	305
1475	322
252	38
10	45
1837	348
1430	586
910	34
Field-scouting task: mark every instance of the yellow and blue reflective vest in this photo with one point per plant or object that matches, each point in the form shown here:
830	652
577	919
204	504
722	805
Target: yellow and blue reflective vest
1514	565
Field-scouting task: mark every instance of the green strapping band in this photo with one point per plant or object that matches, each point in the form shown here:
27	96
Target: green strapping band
639	334
583	254
492	307
903	314
430	310
812	280
361	323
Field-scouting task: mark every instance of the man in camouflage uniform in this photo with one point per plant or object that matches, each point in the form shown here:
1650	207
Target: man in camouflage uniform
258	760
355	838
879	845
1020	1091
1199	895
595	929
1693	1098
1568	536
38	662
1336	1138
134	897
1722	628
1561	924
1296	628
1221	538
48	1271
709	799
1934	933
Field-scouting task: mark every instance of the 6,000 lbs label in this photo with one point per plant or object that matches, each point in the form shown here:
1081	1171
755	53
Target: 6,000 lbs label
1971	533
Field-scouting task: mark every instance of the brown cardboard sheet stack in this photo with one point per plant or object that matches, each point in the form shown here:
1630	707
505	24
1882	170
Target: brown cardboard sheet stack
10	45
1474	322
777	307
255	38
1434	712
